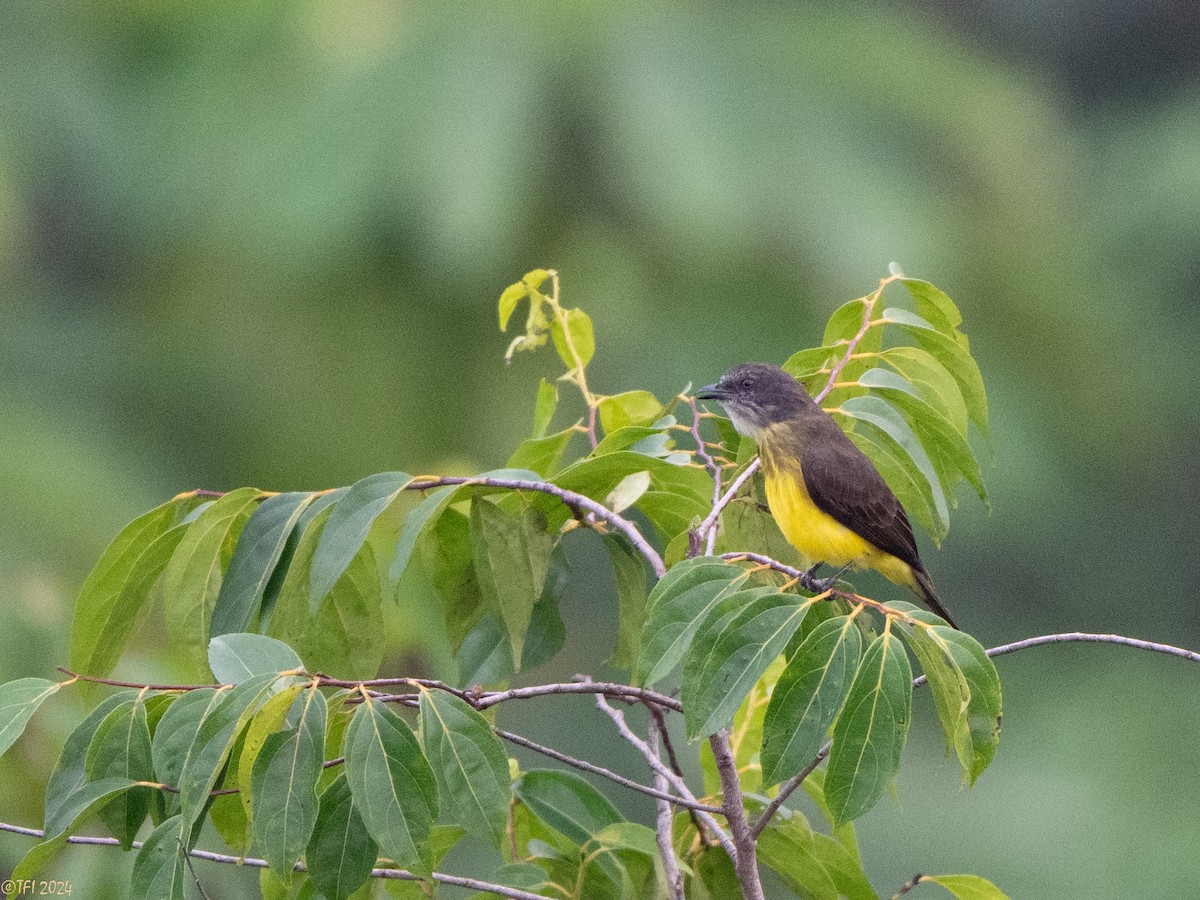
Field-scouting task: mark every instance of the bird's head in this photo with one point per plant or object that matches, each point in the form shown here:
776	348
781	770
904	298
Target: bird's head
757	396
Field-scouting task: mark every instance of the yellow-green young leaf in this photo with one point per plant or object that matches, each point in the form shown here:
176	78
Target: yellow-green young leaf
340	853
344	635
577	351
193	577
965	688
116	590
966	887
512	295
807	698
259	548
629	570
160	869
469	764
348	525
629	408
265	723
393	787
730	652
121	749
284	779
812	864
215	732
675	608
535	278
870	732
511	558
543	410
19	700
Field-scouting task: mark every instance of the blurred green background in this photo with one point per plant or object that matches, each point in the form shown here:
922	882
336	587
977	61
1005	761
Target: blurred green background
262	242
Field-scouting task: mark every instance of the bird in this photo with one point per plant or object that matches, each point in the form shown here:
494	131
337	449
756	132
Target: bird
826	496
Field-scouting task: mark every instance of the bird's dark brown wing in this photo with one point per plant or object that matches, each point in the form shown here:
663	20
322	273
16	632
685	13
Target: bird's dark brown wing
845	484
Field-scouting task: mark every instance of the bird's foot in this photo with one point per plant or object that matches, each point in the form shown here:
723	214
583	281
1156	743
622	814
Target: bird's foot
825	584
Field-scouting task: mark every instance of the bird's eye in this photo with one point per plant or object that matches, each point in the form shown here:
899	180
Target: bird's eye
747	382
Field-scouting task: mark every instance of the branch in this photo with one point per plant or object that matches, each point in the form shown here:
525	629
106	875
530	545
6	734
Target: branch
710	521
665	820
745	864
656	764
398	874
583	686
786	791
660	793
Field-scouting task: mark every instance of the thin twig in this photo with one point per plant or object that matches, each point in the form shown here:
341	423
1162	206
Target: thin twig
583	686
786	791
908	885
398	874
710	521
664	832
745	864
661	794
673	761
656	764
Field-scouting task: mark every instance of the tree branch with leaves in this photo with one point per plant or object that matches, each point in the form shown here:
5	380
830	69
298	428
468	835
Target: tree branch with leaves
328	777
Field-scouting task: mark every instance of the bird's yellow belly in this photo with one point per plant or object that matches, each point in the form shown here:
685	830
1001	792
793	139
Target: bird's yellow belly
820	537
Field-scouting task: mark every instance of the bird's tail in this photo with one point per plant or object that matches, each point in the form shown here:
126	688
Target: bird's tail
924	586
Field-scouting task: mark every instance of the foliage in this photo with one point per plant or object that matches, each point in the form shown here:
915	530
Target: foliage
276	596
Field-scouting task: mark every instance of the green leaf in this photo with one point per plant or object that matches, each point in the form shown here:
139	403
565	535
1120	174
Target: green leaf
193	577
446	559
629	408
938	435
674	609
394	789
884	435
513	294
121	749
485	656
745	735
235	658
845	322
443	839
543	410
567	803
932	380
469	763
807	698
810	863
511	558
844	833
965	688
284	784
936	308
746	526
19	700
523	876
807	363
258	550
629	570
541	454
344	635
728	655
340	853
966	887
671	514
266	721
216	729
115	593
73	810
579	327
348	526
160	869
957	360
870	732
70	772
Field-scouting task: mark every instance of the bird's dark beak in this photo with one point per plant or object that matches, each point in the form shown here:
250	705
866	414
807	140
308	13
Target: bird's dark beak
710	392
